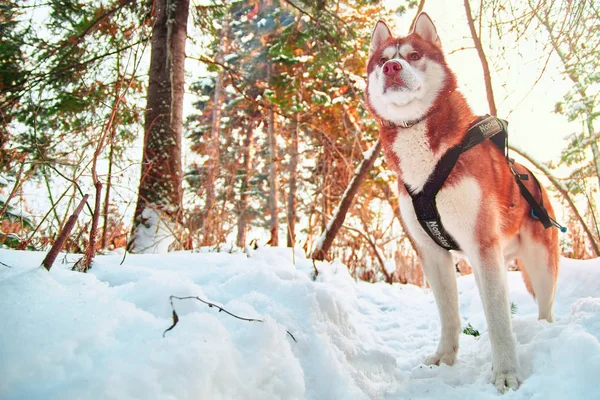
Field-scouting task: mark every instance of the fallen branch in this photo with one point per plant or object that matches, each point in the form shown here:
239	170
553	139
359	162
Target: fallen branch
209	304
326	240
6	265
62	237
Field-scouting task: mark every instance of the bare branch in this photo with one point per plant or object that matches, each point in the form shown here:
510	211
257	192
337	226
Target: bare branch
486	69
210	305
419	10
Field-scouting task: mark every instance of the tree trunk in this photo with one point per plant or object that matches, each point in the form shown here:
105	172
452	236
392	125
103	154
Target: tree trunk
325	186
334	225
212	163
158	210
90	251
273	187
248	154
108	186
420	8
486	69
291	206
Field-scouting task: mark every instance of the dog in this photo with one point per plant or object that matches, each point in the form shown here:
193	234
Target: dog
413	94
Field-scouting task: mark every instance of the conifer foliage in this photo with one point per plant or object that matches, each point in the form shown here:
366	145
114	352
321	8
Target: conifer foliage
287	80
69	75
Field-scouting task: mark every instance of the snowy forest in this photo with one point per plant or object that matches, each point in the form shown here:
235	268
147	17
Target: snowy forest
157	126
194	203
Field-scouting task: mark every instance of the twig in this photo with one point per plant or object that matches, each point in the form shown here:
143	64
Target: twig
209	304
16	187
60	241
6	265
124	254
23	245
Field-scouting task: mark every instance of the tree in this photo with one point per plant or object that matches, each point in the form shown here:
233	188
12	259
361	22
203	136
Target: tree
487	77
296	67
326	239
158	210
293	182
273	203
209	218
58	76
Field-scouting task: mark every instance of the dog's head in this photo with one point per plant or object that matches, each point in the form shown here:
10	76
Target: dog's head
406	75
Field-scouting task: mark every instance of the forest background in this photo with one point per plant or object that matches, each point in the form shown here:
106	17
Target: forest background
166	125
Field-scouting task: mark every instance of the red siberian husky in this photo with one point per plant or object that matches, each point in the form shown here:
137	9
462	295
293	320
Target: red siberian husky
421	114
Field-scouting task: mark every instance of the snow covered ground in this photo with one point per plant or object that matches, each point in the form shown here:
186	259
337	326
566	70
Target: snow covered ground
68	335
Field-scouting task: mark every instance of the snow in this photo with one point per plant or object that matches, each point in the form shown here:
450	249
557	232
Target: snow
153	235
68	335
369	153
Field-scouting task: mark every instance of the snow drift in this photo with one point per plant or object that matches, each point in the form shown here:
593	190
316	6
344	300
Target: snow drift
68	335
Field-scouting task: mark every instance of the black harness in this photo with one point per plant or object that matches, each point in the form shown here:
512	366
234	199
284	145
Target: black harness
486	127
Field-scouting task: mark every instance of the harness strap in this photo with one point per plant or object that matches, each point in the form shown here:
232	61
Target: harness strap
425	205
538	208
424	201
487	127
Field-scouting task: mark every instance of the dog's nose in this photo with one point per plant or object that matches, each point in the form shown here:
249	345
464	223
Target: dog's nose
391	68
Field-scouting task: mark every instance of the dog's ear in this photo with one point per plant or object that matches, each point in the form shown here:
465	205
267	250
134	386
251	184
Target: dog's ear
381	33
425	28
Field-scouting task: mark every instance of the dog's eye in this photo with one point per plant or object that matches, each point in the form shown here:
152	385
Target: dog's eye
414	56
382	60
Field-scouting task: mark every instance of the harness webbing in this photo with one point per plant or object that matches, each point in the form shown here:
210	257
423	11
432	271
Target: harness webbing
424	203
538	209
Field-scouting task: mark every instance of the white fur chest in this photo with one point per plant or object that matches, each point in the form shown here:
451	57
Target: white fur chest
417	160
458	206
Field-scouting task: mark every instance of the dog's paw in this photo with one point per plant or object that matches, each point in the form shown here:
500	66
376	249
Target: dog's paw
437	358
505	380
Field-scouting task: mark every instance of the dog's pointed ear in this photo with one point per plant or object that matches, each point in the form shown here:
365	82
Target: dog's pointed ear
425	28
381	33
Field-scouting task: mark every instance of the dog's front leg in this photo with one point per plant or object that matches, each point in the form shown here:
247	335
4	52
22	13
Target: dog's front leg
439	271
490	276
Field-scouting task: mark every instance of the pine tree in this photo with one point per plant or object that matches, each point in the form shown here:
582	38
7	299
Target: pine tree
158	209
